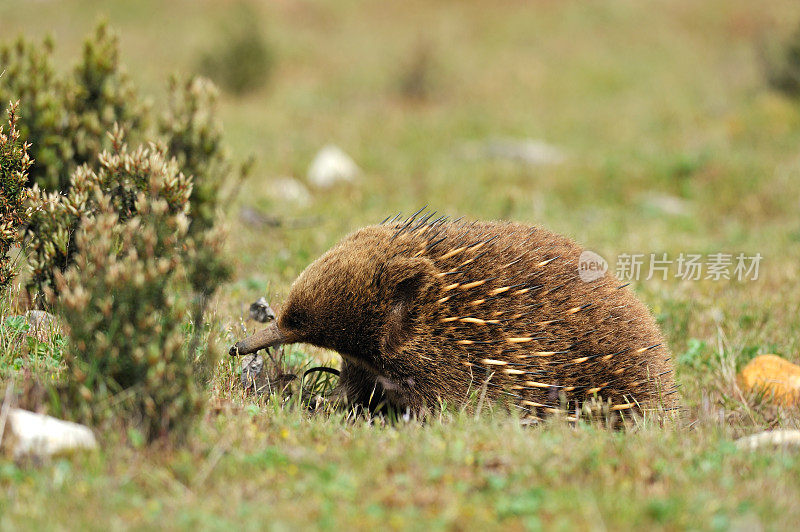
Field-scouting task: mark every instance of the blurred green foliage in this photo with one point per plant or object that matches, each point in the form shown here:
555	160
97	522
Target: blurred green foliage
418	76
783	66
241	60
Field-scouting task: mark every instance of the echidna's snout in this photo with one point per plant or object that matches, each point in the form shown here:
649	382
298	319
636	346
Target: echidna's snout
270	336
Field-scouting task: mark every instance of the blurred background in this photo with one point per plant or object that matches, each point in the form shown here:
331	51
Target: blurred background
657	127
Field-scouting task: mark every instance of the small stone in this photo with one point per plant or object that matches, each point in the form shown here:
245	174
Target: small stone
253	377
256	219
291	190
778	378
331	166
27	434
261	311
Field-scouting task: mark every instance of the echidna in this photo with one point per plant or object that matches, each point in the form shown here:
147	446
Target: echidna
426	312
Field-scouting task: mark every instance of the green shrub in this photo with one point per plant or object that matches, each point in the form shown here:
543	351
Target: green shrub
241	60
124	241
65	117
194	138
125	302
14	164
135	278
417	79
782	65
69	118
121	175
124	324
100	96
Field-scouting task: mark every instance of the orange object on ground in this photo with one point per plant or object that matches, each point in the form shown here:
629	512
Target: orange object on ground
777	377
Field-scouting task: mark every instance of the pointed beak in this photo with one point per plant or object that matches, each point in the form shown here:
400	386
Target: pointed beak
268	337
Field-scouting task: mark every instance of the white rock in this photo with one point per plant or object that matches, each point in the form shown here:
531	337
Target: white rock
528	151
29	434
330	166
769	437
290	189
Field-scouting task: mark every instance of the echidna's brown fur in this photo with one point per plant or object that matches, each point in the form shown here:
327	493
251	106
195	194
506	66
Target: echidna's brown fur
427	312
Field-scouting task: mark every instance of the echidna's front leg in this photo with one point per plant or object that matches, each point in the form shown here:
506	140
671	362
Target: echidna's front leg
359	386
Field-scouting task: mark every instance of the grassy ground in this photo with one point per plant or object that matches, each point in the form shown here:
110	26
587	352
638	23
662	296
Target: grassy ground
648	100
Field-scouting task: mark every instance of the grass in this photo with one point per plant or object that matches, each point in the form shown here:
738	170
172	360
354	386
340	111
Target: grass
280	469
23	348
647	100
